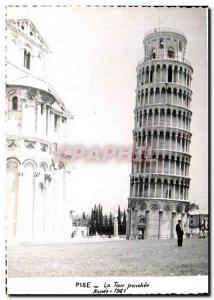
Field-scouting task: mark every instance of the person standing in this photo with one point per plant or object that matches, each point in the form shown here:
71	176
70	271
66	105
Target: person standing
180	233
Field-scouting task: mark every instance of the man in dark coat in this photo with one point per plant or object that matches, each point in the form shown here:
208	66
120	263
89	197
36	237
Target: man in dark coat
180	233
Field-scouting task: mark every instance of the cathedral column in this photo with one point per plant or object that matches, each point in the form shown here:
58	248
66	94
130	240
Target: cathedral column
38	206
20	209
149	186
23	125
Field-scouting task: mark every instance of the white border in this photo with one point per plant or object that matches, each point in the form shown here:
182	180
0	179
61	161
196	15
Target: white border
166	284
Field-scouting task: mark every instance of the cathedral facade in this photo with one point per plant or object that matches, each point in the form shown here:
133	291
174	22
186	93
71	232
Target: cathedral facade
159	181
37	123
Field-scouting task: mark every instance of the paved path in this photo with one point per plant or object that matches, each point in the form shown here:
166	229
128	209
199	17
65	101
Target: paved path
112	258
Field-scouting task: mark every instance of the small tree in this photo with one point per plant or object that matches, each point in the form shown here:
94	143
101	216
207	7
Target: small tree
111	228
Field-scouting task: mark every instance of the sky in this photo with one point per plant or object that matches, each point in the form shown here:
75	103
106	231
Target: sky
92	67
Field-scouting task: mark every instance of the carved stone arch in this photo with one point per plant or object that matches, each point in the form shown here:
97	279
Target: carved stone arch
169	90
168	110
167	208
29	162
43	165
143	206
176	67
14	159
154	207
175	91
151	91
163	90
12	164
157	90
178	208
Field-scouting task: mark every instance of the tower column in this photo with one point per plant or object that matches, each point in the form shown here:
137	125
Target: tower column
174	184
143	194
147	224
159	223
155	187
169	165
172	224
149	186
162	181
158	138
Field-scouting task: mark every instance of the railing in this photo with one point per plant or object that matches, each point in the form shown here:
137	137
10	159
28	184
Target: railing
164	29
165	56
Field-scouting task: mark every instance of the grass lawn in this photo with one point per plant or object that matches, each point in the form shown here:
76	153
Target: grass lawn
110	258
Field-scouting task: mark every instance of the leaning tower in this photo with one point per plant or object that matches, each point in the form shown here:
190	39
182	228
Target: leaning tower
159	180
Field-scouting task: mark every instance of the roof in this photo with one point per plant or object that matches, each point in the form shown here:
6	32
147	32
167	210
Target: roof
26	28
31	81
198	212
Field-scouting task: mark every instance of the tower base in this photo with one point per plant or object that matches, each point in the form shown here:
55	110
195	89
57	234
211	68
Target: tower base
155	218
